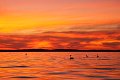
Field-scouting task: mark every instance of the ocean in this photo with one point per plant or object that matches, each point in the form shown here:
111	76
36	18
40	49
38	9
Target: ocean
59	66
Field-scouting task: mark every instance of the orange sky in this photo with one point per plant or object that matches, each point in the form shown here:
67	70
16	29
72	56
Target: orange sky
33	17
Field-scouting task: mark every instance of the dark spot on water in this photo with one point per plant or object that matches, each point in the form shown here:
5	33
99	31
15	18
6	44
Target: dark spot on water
57	73
15	67
104	68
21	66
96	76
74	71
24	77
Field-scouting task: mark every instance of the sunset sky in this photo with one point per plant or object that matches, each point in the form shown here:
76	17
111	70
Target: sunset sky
61	24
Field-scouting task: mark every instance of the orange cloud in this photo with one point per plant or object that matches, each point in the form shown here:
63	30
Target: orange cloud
63	40
40	44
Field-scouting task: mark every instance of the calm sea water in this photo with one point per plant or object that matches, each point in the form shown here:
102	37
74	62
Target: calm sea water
58	66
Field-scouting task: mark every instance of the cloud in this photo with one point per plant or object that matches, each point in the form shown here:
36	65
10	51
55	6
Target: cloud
109	28
63	40
113	45
100	27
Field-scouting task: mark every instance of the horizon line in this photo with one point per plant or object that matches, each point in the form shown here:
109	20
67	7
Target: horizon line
57	50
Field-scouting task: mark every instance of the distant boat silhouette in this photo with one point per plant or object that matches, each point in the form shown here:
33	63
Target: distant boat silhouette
71	57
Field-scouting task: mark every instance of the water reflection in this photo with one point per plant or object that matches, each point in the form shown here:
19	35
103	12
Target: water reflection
58	66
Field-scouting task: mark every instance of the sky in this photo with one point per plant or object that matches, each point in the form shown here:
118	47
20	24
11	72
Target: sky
61	24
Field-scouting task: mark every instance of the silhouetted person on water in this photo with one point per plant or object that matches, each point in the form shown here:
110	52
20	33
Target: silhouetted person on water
71	57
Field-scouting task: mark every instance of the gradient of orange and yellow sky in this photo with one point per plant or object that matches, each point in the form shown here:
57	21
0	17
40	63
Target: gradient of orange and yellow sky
66	21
